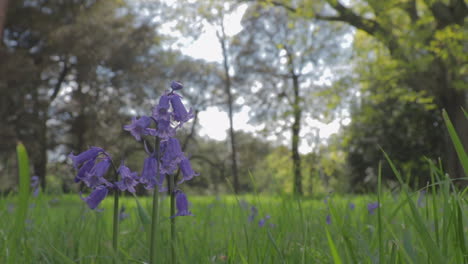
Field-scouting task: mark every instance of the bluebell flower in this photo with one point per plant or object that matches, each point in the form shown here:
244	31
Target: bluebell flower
176	86
253	213
85	156
181	204
96	197
180	113
161	110
122	214
262	221
35	185
172	155
164	130
187	172
86	168
95	176
421	197
352	206
328	219
128	179
148	174
372	206
139	127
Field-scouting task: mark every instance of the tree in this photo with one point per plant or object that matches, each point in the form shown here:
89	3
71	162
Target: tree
423	39
280	65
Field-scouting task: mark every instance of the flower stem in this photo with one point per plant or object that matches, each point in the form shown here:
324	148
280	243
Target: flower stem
173	230
154	226
115	233
155	214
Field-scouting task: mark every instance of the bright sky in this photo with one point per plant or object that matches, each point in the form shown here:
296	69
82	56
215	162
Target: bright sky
214	122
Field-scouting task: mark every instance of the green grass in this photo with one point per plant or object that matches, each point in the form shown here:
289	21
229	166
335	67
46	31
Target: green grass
65	231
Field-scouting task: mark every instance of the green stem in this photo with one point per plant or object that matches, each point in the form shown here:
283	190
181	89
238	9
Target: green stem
155	214
154	226
115	233
173	233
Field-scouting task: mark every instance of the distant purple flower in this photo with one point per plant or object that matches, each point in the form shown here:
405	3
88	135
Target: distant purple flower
181	204
96	197
85	156
122	214
128	179
176	86
262	221
172	155
187	171
253	213
139	127
328	219
372	206
421	197
180	113
35	185
352	206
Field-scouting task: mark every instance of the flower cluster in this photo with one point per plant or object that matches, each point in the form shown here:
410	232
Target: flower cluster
167	116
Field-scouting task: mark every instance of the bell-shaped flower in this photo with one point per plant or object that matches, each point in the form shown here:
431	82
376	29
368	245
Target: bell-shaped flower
86	168
139	127
172	155
95	177
96	197
187	172
164	130
128	179
176	86
161	110
151	175
181	204
35	185
372	206
85	156
180	113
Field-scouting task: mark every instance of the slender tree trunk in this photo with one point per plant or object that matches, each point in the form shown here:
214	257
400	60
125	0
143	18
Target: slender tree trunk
296	128
227	85
3	14
453	101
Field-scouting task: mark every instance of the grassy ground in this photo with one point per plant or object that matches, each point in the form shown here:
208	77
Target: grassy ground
63	230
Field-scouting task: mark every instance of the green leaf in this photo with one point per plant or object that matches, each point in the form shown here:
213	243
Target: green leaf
334	252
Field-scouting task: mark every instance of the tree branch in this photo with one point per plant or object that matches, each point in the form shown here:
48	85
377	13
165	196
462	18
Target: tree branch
60	80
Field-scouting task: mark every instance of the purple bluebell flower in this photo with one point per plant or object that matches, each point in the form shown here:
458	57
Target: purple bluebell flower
421	197
172	155
139	127
352	206
253	213
122	214
187	171
181	204
95	176
164	130
128	179
372	206
148	174
35	185
180	113
161	110
85	156
262	221
176	86
86	168
96	197
328	219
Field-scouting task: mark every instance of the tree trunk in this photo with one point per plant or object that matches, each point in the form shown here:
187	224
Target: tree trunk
296	128
3	14
453	101
227	85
